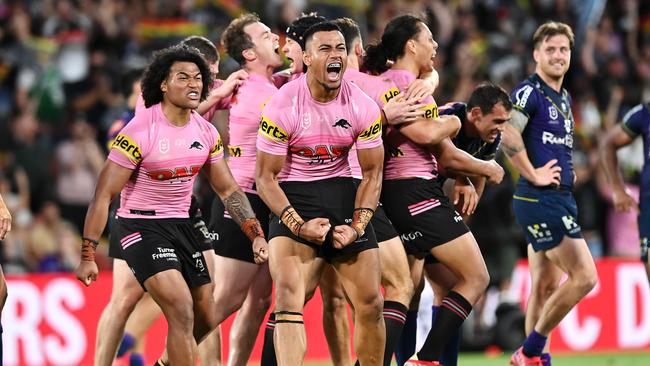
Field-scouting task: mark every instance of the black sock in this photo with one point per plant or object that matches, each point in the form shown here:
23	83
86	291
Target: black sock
452	313
268	349
394	317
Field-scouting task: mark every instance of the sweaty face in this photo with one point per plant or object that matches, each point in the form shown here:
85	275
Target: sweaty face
326	57
266	45
553	56
491	124
183	85
293	51
425	48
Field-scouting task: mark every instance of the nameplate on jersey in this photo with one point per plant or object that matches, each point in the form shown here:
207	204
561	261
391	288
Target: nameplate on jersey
371	132
389	94
272	131
128	147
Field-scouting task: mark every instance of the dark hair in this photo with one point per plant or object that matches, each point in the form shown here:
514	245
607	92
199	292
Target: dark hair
205	47
326	26
397	32
158	70
350	31
129	77
550	29
486	96
296	30
235	40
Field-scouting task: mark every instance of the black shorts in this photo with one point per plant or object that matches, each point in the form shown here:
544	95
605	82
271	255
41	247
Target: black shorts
151	246
329	198
230	241
384	229
421	213
114	248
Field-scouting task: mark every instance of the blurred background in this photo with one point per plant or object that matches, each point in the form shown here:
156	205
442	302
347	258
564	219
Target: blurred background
63	65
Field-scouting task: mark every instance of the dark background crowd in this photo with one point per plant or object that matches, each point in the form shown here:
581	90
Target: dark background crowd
62	63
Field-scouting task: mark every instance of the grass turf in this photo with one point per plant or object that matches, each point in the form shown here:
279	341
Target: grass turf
604	359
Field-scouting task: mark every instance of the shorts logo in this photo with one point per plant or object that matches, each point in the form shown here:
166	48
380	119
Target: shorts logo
130	239
165	253
272	131
521	96
552	112
570	224
217	148
540	232
457	217
371	132
199	261
234	151
411	236
163	145
128	147
423	206
389	94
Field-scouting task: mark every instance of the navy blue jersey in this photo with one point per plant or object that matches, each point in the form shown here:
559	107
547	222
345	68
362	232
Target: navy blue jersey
637	122
549	132
472	145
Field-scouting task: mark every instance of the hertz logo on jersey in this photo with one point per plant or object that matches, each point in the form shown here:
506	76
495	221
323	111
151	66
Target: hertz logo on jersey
389	94
217	149
234	151
430	111
371	132
128	147
272	131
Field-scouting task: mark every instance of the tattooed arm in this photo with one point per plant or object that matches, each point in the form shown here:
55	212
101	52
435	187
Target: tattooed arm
237	205
513	146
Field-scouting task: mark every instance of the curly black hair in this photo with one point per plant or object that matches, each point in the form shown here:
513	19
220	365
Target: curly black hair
159	68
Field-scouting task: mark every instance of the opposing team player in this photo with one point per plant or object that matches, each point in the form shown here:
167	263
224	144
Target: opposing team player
153	162
539	141
304	177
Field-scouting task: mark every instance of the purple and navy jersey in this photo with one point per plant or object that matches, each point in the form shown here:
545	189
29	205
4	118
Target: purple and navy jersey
472	145
637	122
549	132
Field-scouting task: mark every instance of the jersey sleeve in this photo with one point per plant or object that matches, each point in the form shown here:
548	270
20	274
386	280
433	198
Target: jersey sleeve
524	99
216	150
128	146
274	130
633	121
387	92
368	122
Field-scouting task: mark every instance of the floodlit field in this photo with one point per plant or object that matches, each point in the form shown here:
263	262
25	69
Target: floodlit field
605	359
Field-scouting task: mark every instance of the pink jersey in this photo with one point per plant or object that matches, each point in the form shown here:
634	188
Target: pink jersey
245	113
316	137
224	103
281	78
381	90
165	160
404	158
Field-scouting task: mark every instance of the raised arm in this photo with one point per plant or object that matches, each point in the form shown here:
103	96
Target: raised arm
616	138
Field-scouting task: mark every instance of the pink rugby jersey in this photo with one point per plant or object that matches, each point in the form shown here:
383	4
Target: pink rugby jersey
166	159
245	112
404	158
316	137
379	89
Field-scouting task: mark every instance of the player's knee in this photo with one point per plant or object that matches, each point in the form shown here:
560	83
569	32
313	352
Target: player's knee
179	312
370	307
586	281
3	291
333	302
288	296
482	280
125	304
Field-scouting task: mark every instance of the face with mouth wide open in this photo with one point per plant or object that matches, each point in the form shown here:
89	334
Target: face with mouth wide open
183	85
326	58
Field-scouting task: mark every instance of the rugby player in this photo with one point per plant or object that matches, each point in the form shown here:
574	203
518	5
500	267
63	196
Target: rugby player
5	227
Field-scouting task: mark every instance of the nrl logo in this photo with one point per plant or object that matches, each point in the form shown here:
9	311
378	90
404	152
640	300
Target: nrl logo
306	121
163	145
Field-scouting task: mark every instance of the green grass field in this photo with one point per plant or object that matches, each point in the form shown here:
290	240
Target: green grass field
605	359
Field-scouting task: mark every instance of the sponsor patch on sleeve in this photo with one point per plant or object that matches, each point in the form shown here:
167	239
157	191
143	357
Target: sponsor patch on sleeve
217	148
430	111
128	147
371	132
389	94
272	131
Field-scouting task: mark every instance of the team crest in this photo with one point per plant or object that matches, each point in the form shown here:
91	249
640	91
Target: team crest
552	112
163	145
306	121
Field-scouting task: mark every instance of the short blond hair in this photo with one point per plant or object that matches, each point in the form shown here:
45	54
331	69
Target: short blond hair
550	29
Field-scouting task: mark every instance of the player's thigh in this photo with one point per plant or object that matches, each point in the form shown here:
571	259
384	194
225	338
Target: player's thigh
544	274
395	270
233	278
573	257
291	265
462	256
440	278
361	277
125	286
172	293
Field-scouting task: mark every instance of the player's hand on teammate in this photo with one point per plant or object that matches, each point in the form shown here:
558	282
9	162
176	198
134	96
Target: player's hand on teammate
343	236
315	230
260	250
87	272
465	196
400	110
549	174
5	221
231	83
496	172
623	201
